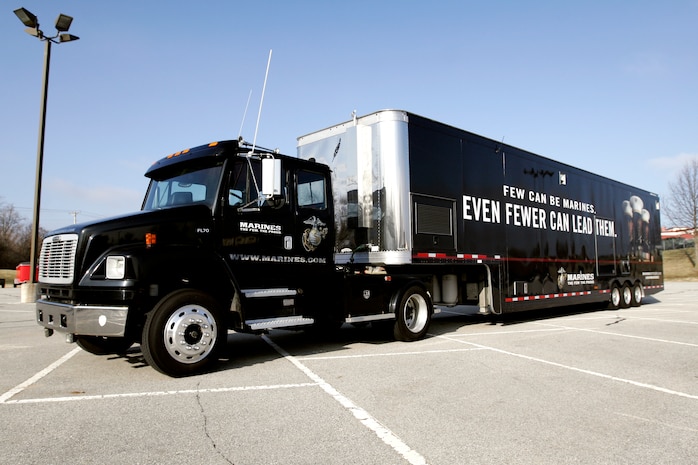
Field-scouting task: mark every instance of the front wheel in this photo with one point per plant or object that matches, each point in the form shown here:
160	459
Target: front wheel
412	314
183	333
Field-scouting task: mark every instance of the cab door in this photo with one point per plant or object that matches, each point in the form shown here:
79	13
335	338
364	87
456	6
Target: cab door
277	249
313	217
255	232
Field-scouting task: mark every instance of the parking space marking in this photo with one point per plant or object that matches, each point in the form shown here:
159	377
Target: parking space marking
22	386
662	320
630	317
386	354
578	370
610	333
159	393
655	422
383	433
517	331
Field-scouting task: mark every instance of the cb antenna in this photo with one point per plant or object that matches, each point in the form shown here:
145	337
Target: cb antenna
244	115
259	115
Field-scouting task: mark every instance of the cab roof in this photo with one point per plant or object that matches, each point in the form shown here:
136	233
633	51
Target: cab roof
213	150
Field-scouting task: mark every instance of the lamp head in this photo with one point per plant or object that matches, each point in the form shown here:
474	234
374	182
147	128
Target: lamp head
67	38
63	22
27	17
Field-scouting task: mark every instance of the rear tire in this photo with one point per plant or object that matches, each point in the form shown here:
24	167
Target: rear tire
183	333
626	294
615	298
637	295
413	314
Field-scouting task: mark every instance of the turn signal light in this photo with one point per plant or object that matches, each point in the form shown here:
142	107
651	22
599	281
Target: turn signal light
150	239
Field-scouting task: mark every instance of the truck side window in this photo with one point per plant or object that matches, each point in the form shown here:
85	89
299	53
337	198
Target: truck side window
235	197
242	189
245	181
310	190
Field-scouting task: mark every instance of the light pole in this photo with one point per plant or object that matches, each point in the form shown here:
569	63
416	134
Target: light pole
62	26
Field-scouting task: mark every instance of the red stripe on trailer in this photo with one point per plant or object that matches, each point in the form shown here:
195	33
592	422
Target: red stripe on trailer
527	298
460	256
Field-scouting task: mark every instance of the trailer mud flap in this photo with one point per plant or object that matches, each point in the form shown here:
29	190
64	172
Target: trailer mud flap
492	295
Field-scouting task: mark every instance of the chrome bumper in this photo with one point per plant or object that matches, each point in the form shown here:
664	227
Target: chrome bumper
87	320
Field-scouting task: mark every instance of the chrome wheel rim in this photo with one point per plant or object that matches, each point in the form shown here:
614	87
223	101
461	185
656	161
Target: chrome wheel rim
190	334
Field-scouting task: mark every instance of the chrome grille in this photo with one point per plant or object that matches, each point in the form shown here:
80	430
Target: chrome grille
57	259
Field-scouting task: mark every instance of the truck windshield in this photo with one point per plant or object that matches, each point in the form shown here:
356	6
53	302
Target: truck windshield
185	186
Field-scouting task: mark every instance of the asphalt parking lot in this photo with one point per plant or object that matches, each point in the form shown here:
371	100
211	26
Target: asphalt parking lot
598	387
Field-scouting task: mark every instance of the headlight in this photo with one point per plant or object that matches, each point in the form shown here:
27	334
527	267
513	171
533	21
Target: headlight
116	267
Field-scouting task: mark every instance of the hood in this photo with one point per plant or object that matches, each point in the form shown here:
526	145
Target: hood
186	226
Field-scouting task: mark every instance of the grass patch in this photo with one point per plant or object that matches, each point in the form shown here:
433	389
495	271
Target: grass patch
678	265
8	276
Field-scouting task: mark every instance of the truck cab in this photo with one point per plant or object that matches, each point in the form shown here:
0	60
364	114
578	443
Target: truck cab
228	237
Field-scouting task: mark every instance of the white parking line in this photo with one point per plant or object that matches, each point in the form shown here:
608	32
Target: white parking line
159	393
610	333
6	397
517	331
387	436
386	354
655	422
662	320
22	386
578	370
627	316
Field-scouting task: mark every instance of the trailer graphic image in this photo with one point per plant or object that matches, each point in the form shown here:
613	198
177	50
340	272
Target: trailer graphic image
385	218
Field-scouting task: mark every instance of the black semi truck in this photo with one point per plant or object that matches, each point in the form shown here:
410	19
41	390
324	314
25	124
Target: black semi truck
385	218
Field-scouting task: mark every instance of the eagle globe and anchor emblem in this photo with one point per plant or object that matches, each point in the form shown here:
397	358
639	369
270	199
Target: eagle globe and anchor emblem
561	278
313	236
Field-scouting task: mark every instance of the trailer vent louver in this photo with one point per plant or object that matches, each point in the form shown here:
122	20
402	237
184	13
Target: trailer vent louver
434	220
57	258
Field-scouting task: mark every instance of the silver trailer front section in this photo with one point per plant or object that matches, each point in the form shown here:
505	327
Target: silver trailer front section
369	157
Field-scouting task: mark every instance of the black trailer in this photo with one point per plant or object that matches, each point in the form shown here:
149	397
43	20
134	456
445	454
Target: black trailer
496	226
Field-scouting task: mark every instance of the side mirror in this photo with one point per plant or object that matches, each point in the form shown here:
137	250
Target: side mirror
271	177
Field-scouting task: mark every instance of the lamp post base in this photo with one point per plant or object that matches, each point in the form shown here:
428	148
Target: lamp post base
28	293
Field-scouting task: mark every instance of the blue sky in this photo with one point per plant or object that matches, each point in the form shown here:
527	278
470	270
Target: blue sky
606	85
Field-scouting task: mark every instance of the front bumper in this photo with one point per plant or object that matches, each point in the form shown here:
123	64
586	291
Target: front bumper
87	320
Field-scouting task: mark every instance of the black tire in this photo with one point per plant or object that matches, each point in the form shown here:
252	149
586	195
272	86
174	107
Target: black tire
626	296
183	333
636	295
412	314
99	345
615	298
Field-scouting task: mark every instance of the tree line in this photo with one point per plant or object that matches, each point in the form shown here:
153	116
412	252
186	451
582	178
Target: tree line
15	237
682	203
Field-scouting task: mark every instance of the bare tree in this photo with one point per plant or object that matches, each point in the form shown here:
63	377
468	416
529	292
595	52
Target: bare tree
682	207
10	231
9	222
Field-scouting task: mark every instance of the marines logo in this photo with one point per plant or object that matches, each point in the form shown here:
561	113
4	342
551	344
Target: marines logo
313	236
561	278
